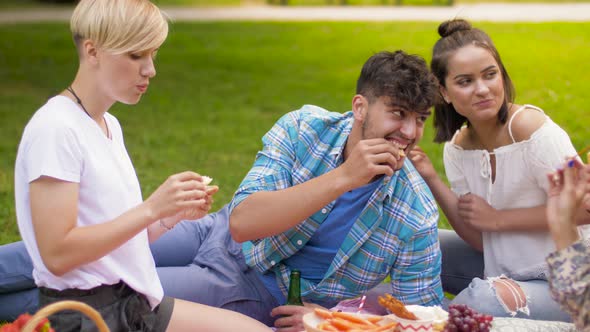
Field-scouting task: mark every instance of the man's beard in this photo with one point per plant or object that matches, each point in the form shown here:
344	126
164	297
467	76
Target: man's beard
366	128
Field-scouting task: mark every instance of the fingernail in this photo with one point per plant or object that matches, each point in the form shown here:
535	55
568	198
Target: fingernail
570	163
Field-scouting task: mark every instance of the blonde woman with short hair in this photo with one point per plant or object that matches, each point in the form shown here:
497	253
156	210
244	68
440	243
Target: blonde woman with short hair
78	200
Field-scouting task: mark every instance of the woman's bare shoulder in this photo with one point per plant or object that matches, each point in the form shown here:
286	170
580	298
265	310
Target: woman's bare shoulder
526	122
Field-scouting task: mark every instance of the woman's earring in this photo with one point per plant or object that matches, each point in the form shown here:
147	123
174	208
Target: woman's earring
445	98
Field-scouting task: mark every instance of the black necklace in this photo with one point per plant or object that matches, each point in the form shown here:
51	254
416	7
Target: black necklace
79	101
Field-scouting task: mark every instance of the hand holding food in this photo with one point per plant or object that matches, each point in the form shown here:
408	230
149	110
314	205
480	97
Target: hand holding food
568	187
182	196
371	158
586	201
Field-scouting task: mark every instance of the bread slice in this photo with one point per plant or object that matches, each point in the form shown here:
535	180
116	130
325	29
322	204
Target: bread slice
206	180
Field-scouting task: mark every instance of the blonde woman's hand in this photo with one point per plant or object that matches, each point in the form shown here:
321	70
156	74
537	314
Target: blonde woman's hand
181	194
202	210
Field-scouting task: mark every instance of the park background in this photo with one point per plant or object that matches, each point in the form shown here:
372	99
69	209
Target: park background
221	85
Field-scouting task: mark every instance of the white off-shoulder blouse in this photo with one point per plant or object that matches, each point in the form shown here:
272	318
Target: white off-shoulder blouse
521	182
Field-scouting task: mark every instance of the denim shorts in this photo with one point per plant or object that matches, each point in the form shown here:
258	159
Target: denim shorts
121	307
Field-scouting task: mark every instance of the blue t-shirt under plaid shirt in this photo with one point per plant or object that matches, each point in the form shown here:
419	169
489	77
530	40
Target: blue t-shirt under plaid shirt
396	233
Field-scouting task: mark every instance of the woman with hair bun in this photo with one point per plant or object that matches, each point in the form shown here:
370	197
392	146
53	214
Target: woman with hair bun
496	157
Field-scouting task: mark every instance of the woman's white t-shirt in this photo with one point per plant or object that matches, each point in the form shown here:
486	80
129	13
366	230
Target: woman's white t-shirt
521	182
61	141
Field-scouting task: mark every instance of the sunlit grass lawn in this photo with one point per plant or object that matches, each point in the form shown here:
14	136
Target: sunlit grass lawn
220	87
35	3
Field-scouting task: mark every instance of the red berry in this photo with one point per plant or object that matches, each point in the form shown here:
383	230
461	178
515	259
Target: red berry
43	325
22	320
9	328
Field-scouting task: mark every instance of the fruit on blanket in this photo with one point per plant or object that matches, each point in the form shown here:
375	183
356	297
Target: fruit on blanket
465	319
9	328
22	320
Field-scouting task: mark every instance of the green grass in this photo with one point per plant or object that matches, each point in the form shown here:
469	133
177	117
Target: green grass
27	4
220	87
205	2
35	4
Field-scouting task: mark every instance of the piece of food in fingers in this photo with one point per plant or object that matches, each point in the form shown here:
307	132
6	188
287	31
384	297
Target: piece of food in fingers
401	152
209	189
206	179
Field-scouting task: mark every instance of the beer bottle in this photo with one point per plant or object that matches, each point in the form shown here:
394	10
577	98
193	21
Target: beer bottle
294	296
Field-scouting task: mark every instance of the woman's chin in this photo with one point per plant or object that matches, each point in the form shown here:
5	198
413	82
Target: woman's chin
130	100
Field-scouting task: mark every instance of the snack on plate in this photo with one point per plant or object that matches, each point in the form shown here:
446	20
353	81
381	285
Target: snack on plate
396	307
345	321
435	314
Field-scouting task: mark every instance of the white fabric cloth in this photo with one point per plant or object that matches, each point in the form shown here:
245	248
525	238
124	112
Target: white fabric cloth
521	182
63	142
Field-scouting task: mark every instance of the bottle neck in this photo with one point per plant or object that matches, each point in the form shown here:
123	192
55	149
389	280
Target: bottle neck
294	295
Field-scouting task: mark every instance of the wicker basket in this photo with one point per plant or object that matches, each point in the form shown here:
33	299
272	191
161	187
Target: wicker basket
66	305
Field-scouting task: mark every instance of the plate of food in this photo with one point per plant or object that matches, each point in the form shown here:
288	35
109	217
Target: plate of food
323	320
414	317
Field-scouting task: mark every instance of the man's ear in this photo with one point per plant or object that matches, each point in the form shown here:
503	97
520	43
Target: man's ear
360	106
444	94
89	52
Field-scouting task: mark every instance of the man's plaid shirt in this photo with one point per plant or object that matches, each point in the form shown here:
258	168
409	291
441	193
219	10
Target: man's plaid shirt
396	234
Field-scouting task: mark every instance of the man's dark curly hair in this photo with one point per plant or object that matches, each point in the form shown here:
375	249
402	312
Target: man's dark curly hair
404	78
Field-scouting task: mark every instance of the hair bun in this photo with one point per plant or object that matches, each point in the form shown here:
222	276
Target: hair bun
449	27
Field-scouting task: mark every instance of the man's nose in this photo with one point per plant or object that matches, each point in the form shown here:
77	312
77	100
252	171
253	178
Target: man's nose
409	128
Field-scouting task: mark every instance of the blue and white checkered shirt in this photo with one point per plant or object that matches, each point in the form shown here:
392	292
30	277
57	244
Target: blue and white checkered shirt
396	233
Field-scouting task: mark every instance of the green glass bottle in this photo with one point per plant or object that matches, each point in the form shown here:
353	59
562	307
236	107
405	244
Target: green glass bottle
294	296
